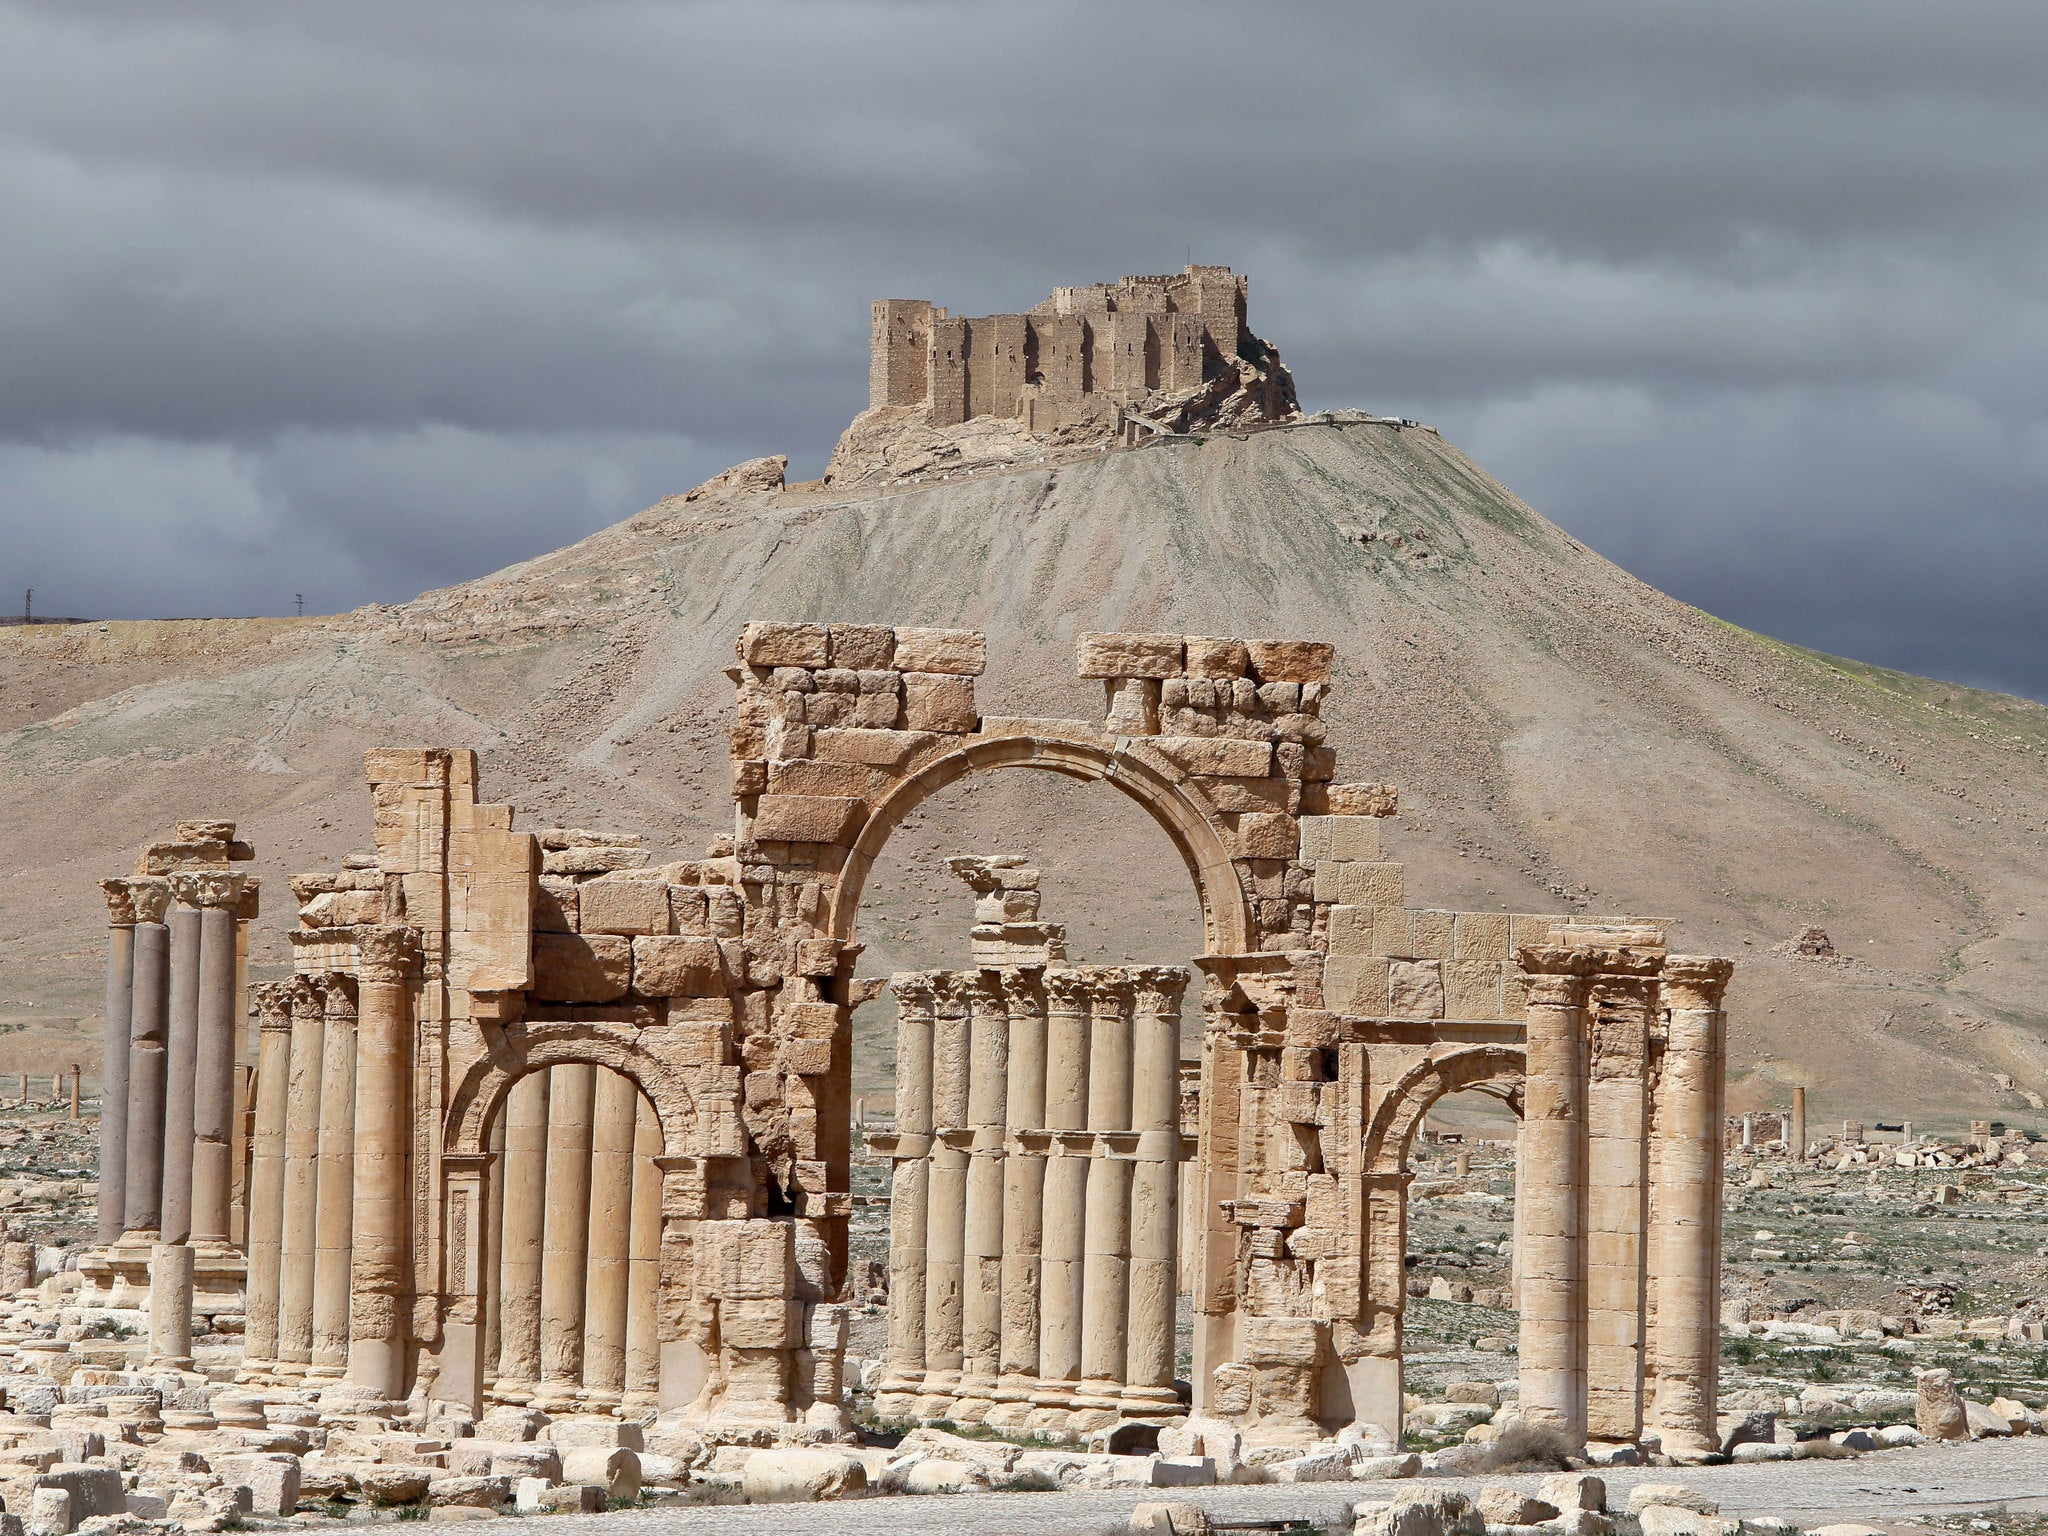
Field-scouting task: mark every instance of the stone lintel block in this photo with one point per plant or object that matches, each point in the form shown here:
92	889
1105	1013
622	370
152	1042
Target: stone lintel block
1356	984
808	818
1415	989
1248	795
1472	989
1363	800
1266	835
1129	655
1214	658
809	776
1434	934
1350	929
1371	885
623	906
685	965
863	647
934	701
957	652
758	1323
593	860
1217	756
578	968
491	959
889	750
765	643
1277	1340
1291	661
1482	936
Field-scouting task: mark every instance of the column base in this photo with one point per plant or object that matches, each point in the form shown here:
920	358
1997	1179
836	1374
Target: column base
1151	1403
220	1276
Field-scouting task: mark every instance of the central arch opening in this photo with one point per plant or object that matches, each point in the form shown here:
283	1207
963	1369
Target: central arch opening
1039	914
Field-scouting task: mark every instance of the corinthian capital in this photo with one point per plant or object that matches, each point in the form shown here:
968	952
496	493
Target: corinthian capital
211	888
120	903
271	1002
1069	990
1696	981
389	952
152	899
1160	988
1557	976
913	990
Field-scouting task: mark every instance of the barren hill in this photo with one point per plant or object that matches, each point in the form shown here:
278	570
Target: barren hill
1560	732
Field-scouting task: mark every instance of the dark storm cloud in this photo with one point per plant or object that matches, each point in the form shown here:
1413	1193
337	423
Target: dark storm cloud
357	300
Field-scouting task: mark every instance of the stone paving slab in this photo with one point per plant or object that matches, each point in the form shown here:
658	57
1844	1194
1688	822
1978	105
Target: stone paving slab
1888	1486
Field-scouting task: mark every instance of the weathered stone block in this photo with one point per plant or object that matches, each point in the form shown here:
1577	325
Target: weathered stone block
678	966
765	644
767	1322
580	968
1223	756
623	907
891	750
1363	800
862	647
592	861
1267	836
1350	932
807	1058
1371	885
1356	985
1415	989
1355	837
933	701
808	776
957	652
1128	655
1481	936
1472	989
807	819
1216	658
1247	794
1434	934
1291	661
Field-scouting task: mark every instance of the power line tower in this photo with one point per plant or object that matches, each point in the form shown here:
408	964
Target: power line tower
28	606
299	603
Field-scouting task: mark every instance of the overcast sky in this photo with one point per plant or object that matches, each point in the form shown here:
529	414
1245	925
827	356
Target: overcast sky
357	300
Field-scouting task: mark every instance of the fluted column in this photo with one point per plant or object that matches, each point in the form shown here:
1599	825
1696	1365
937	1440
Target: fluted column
1690	1096
181	1061
494	1248
1106	1278
1618	1017
1023	1198
114	1059
142	1199
909	1190
572	1099
610	1239
1061	1267
1155	1189
643	1283
381	1310
1550	1191
299	1247
219	897
333	1268
946	1229
523	1172
982	1272
266	1176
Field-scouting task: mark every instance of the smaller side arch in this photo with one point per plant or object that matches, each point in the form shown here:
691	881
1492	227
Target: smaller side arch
538	1044
1400	1113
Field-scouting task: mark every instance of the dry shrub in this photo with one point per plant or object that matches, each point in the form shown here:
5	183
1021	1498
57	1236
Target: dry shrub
1526	1447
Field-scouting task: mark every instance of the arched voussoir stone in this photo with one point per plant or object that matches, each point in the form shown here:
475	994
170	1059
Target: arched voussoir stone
1400	1113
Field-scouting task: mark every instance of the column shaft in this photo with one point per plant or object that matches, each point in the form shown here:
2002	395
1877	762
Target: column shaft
643	1340
610	1238
1106	1265
142	1199
266	1178
1062	1244
214	1089
1023	1188
564	1258
1550	1192
299	1246
1617	1181
910	1184
114	1063
380	1317
1155	1190
333	1266
946	1233
982	1277
1691	1094
494	1226
181	1073
523	1173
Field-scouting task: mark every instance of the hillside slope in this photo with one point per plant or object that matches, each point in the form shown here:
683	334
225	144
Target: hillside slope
1560	731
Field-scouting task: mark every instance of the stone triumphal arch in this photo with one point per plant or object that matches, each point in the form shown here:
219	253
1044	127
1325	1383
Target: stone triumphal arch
519	1013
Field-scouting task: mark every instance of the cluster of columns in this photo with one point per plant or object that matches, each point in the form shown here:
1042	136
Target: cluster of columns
167	1119
1618	1194
329	1191
573	1217
1033	1242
